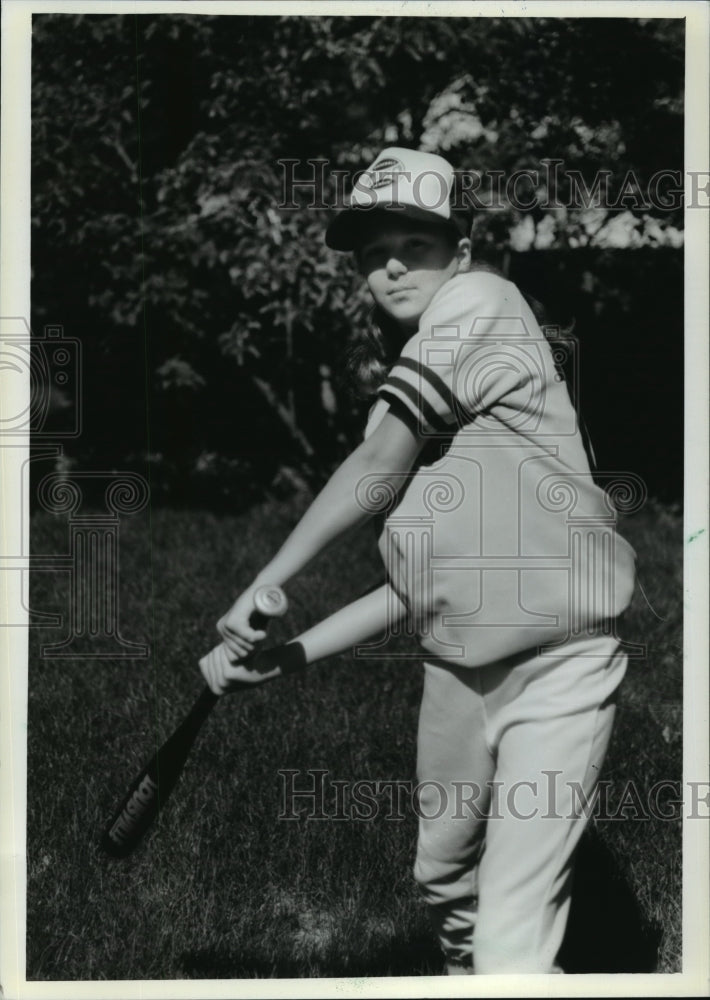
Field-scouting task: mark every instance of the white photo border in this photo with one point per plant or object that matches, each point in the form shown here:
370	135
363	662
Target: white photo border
15	301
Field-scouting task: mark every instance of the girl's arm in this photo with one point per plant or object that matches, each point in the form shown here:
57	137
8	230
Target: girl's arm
388	453
368	616
362	619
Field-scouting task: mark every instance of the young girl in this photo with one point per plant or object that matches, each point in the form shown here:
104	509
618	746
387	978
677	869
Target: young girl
502	552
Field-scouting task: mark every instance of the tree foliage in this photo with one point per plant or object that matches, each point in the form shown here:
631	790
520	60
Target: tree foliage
213	318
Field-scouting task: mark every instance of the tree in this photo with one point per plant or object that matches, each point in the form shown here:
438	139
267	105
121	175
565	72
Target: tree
158	231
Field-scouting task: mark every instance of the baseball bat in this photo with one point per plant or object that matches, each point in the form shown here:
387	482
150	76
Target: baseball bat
150	789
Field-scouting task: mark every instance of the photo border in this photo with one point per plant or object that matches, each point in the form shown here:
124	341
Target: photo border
15	301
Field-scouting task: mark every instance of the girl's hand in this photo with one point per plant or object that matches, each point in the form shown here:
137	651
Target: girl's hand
223	674
237	634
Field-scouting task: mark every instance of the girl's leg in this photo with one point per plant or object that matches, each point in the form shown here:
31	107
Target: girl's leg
550	720
454	767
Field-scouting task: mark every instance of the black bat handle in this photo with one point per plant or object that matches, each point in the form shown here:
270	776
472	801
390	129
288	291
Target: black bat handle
203	706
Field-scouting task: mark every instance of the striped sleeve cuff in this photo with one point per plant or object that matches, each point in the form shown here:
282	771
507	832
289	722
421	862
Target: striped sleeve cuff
419	397
398	409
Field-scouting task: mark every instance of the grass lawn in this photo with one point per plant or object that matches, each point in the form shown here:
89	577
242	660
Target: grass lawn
223	888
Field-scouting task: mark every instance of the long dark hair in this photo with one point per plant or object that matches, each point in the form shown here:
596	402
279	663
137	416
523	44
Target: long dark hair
370	353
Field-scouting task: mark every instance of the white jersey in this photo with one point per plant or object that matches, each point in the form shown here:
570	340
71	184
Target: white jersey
505	542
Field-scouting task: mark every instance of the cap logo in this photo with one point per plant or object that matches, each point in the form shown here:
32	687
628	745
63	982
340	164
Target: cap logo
381	174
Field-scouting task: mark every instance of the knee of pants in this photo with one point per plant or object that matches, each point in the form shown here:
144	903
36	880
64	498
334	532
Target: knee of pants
451	828
443	878
428	871
434	876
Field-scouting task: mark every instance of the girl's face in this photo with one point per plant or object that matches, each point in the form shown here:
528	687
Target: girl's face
406	262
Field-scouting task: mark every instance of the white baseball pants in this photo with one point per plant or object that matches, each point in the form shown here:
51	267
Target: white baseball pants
507	755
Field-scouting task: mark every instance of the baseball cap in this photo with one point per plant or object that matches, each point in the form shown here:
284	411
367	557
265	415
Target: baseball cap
403	181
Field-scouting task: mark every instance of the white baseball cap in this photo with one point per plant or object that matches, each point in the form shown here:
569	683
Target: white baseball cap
403	181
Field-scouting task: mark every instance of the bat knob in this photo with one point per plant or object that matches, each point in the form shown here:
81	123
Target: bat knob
270	601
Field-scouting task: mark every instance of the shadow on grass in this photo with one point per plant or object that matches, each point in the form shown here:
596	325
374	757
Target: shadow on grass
606	931
418	956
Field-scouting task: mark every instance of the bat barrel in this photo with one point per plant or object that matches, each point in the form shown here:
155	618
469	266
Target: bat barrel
151	788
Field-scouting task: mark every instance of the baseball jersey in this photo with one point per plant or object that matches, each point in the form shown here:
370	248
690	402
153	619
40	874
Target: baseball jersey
503	541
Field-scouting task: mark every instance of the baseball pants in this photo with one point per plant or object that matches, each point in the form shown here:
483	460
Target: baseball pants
507	756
